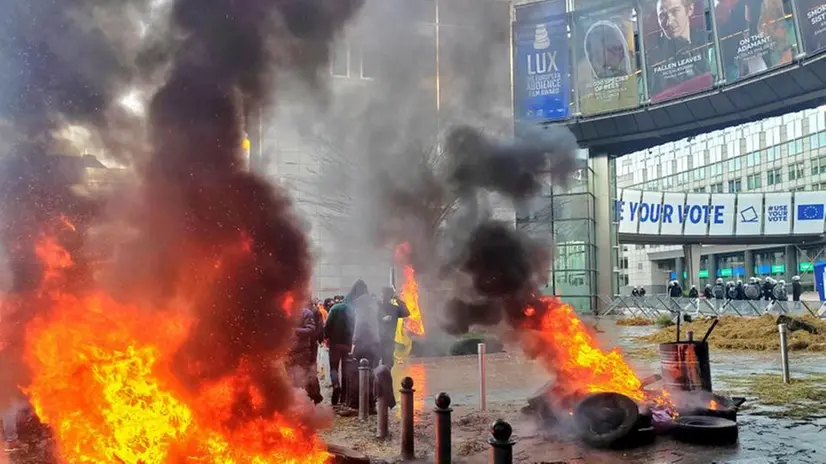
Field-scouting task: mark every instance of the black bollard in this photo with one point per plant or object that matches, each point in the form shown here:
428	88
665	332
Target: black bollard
407	419
443	445
364	389
501	445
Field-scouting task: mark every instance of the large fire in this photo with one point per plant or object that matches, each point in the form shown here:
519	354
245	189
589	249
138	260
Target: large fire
409	295
102	379
568	348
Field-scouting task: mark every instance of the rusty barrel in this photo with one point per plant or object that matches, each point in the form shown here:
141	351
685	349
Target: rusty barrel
685	366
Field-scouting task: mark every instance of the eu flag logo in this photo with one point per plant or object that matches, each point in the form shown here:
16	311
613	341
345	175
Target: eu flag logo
811	212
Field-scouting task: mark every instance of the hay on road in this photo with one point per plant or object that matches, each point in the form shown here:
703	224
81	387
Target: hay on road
634	321
746	333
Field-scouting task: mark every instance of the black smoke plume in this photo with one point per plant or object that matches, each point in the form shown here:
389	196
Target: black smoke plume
206	229
505	266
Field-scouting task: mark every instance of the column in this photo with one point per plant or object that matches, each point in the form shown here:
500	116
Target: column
692	255
712	268
679	268
601	186
791	262
748	260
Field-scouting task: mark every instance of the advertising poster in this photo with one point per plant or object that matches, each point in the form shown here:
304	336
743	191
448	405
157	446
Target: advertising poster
812	17
541	75
755	35
606	66
679	59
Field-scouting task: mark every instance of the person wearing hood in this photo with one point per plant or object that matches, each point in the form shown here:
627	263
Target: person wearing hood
338	330
302	356
391	310
366	343
707	294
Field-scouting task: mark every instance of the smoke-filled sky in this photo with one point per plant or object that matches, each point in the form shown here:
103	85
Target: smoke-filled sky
196	212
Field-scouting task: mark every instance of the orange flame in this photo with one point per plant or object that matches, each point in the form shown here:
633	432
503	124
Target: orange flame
410	291
713	406
102	379
568	348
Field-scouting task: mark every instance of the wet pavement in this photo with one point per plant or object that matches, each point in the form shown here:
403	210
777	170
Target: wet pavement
511	378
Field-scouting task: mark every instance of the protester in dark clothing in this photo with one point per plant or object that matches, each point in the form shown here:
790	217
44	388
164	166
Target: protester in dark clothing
693	293
339	333
302	357
642	291
707	292
366	344
635	292
391	309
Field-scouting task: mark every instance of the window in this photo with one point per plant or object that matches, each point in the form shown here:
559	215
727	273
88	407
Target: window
735	186
799	189
717	188
796	171
772	153
349	60
639	266
699	173
734	165
795	147
820	186
753	182
774	177
716	169
819	165
753	159
699	190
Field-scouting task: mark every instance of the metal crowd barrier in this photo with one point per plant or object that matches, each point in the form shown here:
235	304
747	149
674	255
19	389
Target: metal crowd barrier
655	306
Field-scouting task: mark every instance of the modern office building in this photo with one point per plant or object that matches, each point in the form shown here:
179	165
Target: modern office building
780	154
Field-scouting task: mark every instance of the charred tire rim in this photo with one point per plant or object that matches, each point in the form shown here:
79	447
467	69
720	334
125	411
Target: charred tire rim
705	430
604	420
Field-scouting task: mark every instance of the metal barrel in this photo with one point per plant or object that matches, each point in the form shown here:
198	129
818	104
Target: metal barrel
685	366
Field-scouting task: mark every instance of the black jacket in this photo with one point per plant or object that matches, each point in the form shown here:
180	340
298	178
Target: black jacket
693	293
797	290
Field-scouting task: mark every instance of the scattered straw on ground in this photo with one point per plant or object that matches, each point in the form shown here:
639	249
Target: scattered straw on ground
803	398
634	321
746	333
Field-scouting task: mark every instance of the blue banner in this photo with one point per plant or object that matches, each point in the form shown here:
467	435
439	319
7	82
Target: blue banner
541	77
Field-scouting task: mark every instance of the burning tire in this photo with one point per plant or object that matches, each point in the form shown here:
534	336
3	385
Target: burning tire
704	430
605	420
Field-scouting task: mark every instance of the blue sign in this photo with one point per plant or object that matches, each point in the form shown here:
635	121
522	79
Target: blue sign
810	212
668	214
541	77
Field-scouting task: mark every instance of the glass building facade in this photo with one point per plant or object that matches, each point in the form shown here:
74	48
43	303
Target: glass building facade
780	154
565	215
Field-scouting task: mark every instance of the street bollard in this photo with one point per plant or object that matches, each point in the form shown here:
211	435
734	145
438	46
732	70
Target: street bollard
501	445
443	438
480	349
364	389
407	419
784	351
381	426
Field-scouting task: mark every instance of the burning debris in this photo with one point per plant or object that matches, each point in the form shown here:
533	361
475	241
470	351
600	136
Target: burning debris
185	358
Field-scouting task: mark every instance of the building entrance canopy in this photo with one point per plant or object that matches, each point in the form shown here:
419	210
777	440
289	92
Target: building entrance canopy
720	218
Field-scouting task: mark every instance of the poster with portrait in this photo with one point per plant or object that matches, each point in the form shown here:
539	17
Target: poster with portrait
606	66
812	17
679	58
755	36
541	74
